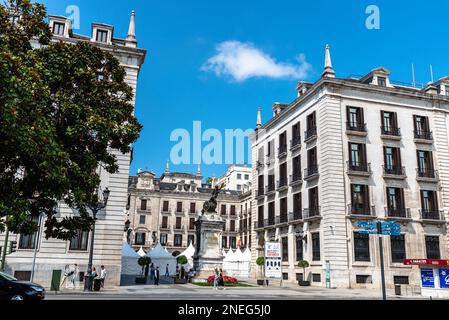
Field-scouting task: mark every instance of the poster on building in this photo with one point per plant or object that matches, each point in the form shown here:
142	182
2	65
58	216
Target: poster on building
444	278
273	260
427	278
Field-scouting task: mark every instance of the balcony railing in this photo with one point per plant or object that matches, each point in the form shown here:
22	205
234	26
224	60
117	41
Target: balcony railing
193	212
180	212
361	210
398	213
270	188
283	218
394	170
311	213
258	224
295	216
282	151
269	222
433	215
165	227
359	167
426	173
310	172
354	126
295	143
310	133
390	131
295	178
423	135
178	228
282	183
223	213
260	193
168	211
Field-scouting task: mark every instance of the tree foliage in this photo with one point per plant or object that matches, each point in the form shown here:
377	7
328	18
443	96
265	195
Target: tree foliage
182	260
59	122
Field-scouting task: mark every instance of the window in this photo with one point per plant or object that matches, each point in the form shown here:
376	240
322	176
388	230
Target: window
360	199
192	207
389	123
165	206
178	207
397	248
400	280
355	119
142	219
232	226
140	238
361	247
223	209
316	277
284	276
190	239
143	204
312	161
425	164
271	182
422	130
284	244
239	176
296	168
58	28
239	187
178	224
282	174
163	239
224	242
178	240
395	202
357	157
392	160
283	210
299	249
299	277
28	242
192	224
311	125
79	241
164	222
232	210
362	279
313	201
282	143
233	242
246	176
382	81
429	203
260	216
296	134
102	36
260	185
271	213
316	252
433	247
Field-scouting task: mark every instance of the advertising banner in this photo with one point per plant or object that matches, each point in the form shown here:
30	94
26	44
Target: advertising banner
273	260
427	278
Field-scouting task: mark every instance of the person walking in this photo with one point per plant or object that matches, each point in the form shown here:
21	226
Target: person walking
167	273
103	275
152	271
216	279
156	276
147	270
94	277
221	280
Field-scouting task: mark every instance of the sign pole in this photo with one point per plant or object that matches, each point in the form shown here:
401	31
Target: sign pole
382	270
5	247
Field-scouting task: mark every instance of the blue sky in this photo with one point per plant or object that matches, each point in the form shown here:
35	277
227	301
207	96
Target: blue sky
217	61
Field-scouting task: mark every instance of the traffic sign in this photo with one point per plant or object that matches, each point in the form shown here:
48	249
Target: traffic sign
388	228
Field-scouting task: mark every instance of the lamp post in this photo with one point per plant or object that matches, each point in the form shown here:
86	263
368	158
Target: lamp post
94	207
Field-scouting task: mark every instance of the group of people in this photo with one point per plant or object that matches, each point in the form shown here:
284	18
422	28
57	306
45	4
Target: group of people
99	277
218	279
154	273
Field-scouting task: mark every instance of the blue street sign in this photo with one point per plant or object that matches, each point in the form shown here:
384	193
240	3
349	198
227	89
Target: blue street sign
389	228
427	278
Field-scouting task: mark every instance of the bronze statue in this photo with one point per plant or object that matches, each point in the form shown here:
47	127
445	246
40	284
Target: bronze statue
211	205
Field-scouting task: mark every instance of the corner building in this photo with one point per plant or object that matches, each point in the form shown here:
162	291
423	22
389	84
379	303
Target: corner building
348	150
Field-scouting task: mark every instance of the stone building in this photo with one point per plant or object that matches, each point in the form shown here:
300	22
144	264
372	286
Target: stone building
348	150
165	208
56	254
237	177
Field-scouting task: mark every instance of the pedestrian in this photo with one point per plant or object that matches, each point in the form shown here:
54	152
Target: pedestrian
152	271
94	276
156	276
147	270
183	272
216	279
75	276
167	273
103	275
177	271
221	280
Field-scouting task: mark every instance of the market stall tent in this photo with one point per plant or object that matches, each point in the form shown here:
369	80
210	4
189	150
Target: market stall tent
161	258
129	260
141	252
188	253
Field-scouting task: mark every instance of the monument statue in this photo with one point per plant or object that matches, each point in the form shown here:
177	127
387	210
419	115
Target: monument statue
211	205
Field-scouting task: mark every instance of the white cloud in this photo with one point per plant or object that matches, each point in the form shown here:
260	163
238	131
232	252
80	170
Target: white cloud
242	61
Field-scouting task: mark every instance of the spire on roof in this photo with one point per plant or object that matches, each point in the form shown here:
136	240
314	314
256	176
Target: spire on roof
328	70
259	118
167	167
198	173
131	38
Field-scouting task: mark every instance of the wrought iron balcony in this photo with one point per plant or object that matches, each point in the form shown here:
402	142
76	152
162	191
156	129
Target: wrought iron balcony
270	188
259	224
282	151
295	178
193	212
168	211
295	216
390	131
394	171
424	135
359	168
269	222
361	210
426	174
310	172
295	143
283	218
311	213
355	126
164	227
310	133
260	193
180	212
282	183
178	228
432	215
402	213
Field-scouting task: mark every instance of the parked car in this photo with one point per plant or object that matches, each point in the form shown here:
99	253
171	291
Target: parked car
13	289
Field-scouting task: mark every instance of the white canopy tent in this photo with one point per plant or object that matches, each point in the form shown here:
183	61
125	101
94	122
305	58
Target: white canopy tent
237	264
129	260
141	252
161	258
188	253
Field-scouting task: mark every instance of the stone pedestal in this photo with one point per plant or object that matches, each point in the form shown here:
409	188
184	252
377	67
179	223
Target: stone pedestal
208	255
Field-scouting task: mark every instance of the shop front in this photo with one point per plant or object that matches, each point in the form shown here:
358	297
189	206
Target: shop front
434	276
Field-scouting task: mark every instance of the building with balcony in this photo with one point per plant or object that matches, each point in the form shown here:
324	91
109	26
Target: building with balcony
53	254
163	209
370	149
237	177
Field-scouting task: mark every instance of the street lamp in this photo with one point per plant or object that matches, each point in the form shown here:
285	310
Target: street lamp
94	207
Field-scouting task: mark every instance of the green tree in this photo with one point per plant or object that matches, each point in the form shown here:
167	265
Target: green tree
59	122
143	262
182	260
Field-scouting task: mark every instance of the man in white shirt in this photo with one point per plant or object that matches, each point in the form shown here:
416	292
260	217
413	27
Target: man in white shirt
103	275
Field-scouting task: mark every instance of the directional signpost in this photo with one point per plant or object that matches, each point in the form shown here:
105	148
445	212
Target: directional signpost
387	228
